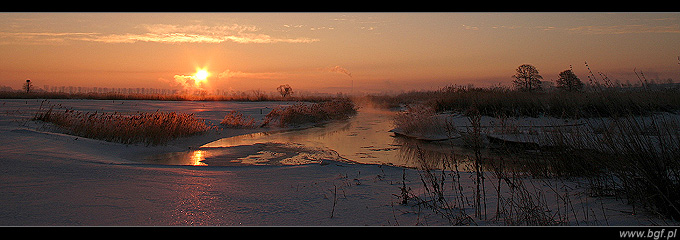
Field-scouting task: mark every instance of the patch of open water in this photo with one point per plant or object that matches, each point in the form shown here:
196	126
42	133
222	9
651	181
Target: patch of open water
364	139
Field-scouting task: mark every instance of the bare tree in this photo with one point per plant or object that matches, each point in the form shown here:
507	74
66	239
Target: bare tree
527	78
285	90
259	95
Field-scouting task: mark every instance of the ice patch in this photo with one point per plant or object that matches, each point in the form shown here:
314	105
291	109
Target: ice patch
258	154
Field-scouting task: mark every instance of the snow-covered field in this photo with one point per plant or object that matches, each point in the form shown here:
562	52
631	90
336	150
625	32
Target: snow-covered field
49	178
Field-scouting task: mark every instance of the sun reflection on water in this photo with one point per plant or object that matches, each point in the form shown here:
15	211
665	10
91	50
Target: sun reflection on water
197	158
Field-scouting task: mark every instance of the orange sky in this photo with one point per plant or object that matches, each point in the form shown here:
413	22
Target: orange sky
330	52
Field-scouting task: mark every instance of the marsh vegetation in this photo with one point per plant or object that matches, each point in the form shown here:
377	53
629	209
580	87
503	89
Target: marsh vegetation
624	142
141	127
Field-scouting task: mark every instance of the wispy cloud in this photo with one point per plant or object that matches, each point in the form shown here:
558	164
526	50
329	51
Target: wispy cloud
230	74
41	37
625	29
592	29
468	27
160	33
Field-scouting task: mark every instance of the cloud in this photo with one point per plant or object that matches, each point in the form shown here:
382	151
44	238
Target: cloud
41	37
229	74
165	33
188	83
466	27
162	33
591	29
625	29
281	75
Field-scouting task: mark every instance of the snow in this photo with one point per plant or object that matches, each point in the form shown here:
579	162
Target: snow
50	178
539	131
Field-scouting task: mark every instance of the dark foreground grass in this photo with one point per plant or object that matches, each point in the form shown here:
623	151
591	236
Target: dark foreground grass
636	157
626	150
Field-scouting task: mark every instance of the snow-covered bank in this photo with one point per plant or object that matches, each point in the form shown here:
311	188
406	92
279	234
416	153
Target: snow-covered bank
58	179
538	131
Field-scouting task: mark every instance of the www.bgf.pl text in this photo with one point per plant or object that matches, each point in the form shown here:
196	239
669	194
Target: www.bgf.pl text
649	233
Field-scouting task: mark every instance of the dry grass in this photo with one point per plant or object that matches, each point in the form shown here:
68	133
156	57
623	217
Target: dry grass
633	156
149	128
160	127
304	113
629	149
418	119
498	101
235	119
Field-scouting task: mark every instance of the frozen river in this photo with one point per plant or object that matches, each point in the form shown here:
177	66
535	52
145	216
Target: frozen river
364	138
308	176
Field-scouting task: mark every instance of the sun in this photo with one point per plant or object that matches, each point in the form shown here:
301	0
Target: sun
201	74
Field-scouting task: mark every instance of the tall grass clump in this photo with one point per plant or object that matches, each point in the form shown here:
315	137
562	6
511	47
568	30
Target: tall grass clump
304	113
148	128
419	120
236	119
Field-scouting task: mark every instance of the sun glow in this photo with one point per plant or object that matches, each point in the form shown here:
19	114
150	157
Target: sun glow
201	75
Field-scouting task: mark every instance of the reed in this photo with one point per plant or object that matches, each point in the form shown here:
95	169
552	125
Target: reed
236	119
419	119
149	128
305	113
636	157
499	101
629	148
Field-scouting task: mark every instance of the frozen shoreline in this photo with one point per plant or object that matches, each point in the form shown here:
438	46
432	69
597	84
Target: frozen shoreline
538	131
58	179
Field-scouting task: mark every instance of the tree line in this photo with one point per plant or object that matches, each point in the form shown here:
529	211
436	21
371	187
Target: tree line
527	78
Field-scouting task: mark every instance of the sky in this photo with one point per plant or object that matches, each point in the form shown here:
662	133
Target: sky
331	52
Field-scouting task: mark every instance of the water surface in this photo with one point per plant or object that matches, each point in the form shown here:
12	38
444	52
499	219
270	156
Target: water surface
364	139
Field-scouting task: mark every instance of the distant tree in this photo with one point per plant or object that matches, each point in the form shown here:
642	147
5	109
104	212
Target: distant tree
527	78
285	90
259	95
27	86
568	81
